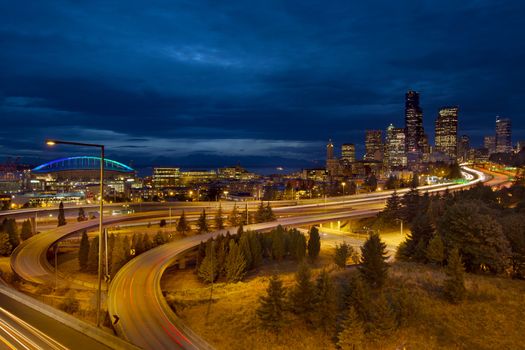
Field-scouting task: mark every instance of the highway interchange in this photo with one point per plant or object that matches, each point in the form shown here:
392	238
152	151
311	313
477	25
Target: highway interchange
135	294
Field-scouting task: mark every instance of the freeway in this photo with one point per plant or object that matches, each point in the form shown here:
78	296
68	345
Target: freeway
135	294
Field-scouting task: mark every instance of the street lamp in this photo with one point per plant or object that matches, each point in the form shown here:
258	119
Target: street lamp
101	230
343	184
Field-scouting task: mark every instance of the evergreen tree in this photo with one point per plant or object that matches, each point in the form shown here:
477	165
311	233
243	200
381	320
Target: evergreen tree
419	237
268	213
126	246
202	223
414	182
302	296
11	229
234	218
325	301
392	209
255	249
92	264
352	334
27	230
182	226
146	242
342	252
391	183
435	252
139	244
117	256
244	245
314	243
201	254
219	221
61	215
222	244
297	245
411	205
360	298
83	252
382	319
162	223
514	228
235	263
278	243
81	215
208	269
478	236
371	183
5	245
374	268
260	213
272	305
454	285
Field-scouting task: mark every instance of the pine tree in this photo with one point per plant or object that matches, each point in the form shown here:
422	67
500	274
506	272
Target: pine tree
374	268
260	213
278	243
158	239
302	295
419	237
139	244
244	245
83	252
219	221
61	215
296	245
202	223
126	246
208	269
411	205
92	264
325	305
5	245
255	249
342	252
162	223
233	218
81	215
382	319
222	243
352	335
146	242
182	226
272	305
117	256
27	230
201	254
11	229
235	263
454	285
435	252
314	243
392	209
268	213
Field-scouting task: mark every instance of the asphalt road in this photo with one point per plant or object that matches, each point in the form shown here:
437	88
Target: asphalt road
21	327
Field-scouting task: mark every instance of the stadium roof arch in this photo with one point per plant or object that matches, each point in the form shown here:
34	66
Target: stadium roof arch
81	163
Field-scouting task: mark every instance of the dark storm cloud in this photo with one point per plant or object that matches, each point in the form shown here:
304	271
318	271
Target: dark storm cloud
261	82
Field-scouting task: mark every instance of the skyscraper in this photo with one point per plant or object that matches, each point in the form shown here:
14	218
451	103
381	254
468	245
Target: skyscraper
413	123
348	153
395	155
374	145
489	142
447	131
503	135
329	150
463	148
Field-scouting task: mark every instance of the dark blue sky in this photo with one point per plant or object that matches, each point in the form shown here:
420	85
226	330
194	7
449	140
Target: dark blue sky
263	83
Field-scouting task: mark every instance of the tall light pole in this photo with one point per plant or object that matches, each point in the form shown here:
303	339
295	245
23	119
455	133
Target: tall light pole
101	230
343	184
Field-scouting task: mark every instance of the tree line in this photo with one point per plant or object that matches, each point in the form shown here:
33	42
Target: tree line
230	257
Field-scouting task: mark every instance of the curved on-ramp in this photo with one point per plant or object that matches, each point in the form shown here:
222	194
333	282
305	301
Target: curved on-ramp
135	294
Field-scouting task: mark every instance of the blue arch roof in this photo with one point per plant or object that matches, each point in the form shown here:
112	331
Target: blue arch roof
81	163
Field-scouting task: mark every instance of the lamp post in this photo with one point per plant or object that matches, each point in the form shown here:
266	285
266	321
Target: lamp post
101	230
343	184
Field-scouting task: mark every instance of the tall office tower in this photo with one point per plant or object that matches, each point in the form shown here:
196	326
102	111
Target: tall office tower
520	145
463	148
503	135
395	154
413	123
348	153
329	150
447	131
374	145
489	142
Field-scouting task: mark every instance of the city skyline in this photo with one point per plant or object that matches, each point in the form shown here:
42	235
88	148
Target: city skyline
210	98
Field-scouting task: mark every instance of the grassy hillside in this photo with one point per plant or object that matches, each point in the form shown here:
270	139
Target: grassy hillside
492	317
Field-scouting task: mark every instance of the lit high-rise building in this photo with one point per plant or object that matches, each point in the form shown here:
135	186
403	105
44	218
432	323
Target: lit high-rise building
489	142
348	153
413	123
447	131
374	145
166	177
395	154
503	135
463	148
329	150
